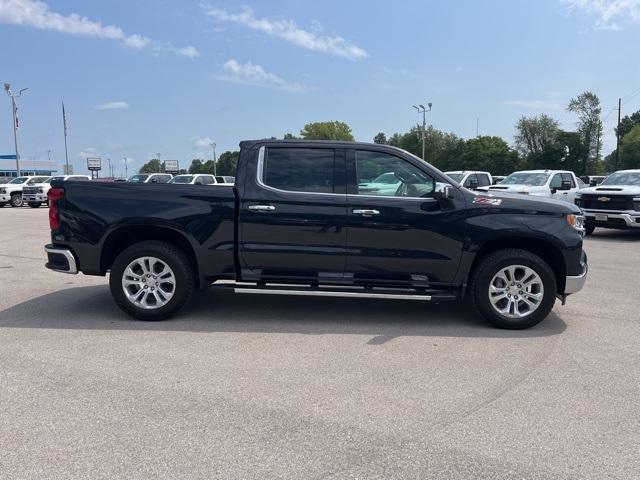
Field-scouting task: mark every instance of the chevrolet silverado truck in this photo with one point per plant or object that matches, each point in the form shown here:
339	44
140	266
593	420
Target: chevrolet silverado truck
615	203
11	192
35	194
296	223
558	184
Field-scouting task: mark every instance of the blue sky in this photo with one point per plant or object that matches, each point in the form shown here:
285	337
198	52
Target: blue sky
169	76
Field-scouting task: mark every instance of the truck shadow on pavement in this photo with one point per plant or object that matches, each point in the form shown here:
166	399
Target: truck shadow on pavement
91	307
604	235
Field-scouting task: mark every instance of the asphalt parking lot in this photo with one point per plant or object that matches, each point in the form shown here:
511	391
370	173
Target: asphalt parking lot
276	387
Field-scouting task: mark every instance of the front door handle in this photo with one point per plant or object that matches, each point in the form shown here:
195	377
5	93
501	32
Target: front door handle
365	212
261	208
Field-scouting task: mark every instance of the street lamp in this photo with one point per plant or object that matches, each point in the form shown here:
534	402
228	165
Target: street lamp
14	109
215	160
421	109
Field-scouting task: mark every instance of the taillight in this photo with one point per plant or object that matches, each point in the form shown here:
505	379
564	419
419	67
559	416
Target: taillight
55	194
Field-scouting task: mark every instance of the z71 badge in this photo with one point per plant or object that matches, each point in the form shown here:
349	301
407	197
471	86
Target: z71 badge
487	201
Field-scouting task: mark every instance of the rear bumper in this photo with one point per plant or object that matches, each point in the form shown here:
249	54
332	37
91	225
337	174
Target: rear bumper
60	259
629	219
574	283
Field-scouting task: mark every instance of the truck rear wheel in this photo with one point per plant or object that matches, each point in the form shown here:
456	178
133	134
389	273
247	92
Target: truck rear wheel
151	280
513	288
2	204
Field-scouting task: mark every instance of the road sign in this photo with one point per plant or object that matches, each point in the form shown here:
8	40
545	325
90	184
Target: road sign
171	166
94	164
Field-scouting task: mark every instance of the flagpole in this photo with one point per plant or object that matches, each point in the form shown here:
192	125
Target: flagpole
66	152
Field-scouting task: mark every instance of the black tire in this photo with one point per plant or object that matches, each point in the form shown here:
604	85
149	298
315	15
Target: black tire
589	228
34	204
490	265
16	200
174	258
2	205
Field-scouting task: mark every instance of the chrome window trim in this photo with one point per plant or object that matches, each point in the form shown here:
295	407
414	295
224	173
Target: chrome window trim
260	182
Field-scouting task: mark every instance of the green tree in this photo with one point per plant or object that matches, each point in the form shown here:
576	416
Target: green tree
536	135
628	122
443	150
196	166
491	154
208	167
630	149
380	138
333	130
587	108
228	163
289	136
152	166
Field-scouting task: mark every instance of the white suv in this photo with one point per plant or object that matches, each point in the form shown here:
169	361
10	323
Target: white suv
36	194
558	184
11	192
194	179
150	178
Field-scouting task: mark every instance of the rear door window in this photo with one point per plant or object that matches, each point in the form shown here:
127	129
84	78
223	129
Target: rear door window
483	180
310	170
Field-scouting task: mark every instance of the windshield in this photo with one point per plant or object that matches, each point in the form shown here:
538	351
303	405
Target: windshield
37	180
138	178
182	179
19	180
623	178
526	178
456	177
52	179
387	178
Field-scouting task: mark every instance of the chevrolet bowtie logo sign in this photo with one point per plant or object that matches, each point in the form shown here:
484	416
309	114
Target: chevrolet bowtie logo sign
603	199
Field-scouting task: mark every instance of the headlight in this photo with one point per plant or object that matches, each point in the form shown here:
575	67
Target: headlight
39	190
576	221
3	190
578	195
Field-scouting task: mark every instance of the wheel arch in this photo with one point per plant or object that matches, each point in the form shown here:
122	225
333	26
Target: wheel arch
541	247
125	236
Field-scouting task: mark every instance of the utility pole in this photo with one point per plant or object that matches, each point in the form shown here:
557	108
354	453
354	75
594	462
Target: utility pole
110	169
14	109
49	155
477	126
126	169
215	160
618	136
423	110
160	161
66	150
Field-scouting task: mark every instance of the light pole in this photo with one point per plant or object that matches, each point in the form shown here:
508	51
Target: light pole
126	167
215	160
14	109
423	110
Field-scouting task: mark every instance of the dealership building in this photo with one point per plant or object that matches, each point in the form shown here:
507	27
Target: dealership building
27	167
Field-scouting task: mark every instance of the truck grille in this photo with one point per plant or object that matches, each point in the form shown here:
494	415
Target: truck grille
29	190
607	202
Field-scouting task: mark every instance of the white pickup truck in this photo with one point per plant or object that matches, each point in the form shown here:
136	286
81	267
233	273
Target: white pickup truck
615	203
11	192
558	184
471	179
36	194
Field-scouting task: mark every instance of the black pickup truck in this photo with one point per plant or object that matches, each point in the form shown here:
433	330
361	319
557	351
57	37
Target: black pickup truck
298	221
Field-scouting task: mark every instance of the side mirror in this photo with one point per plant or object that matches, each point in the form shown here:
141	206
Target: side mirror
154	180
443	191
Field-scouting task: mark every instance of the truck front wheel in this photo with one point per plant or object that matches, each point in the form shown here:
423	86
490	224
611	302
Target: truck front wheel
16	200
151	280
589	228
513	288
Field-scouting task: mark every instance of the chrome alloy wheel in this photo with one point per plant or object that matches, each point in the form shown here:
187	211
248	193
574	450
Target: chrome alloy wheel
148	283
516	291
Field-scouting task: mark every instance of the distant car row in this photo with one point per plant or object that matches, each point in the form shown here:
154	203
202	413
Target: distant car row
33	190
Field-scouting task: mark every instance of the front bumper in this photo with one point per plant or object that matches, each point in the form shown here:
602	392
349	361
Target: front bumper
574	283
628	219
60	259
34	198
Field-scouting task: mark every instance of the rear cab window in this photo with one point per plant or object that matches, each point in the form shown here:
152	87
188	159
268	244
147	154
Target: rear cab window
306	170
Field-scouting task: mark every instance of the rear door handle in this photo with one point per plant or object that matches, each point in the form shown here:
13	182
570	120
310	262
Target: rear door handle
261	208
365	212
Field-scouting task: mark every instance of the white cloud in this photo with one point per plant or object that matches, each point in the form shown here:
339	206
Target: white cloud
290	32
609	13
36	14
87	152
533	104
253	74
202	142
112	106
